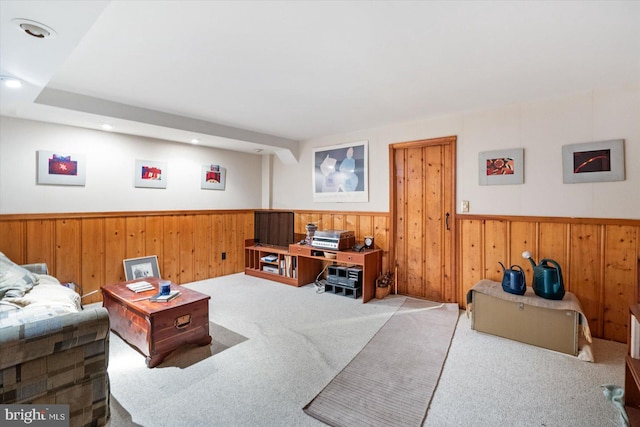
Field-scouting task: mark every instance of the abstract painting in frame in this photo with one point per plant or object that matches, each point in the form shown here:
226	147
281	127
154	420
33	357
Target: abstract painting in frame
61	168
501	167
138	268
150	174
600	161
340	173
213	177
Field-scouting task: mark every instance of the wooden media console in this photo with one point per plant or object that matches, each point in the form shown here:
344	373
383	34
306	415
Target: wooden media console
299	265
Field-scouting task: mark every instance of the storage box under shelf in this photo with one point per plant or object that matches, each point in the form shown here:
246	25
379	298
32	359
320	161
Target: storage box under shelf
346	291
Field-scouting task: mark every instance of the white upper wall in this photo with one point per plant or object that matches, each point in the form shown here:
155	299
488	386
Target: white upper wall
110	161
541	128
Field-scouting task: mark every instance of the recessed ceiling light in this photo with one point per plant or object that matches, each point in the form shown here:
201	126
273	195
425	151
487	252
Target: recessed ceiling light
258	150
11	82
106	126
194	141
34	29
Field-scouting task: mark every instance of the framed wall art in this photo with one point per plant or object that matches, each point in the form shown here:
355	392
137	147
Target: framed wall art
213	177
340	173
593	162
150	174
61	168
138	268
501	167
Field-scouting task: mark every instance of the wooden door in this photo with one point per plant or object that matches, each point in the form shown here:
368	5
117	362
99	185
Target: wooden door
422	205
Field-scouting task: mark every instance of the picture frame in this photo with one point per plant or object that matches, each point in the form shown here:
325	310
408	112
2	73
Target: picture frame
340	173
150	174
501	167
213	177
600	161
139	268
60	168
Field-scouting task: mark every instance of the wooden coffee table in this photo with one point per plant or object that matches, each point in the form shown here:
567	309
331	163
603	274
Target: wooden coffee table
157	328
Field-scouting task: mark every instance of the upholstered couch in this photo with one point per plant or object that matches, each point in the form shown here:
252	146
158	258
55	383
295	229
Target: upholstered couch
52	351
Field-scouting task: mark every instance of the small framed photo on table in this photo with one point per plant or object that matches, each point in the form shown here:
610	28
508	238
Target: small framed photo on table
139	268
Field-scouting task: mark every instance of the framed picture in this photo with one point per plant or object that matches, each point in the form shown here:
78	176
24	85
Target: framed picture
139	268
213	177
340	173
593	162
501	167
60	168
149	174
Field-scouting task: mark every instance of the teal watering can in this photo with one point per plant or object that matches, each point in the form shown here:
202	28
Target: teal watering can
513	280
547	278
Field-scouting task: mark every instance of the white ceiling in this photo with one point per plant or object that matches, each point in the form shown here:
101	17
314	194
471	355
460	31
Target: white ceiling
244	75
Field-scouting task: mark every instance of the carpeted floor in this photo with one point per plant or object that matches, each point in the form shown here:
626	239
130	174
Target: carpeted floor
276	347
391	381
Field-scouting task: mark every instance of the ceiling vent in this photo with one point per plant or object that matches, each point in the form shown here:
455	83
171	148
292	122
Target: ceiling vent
34	29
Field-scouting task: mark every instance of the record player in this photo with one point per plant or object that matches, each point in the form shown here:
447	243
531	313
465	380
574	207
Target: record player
336	240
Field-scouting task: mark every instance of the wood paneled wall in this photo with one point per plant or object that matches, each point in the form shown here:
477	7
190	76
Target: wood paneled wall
89	248
599	260
374	224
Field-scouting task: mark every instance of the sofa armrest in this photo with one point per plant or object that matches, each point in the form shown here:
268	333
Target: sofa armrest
37	268
32	340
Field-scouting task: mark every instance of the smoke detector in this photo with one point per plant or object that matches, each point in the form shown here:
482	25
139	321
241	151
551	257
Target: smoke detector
34	29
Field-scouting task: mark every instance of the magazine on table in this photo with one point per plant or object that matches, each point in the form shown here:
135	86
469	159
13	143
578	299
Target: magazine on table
165	298
140	286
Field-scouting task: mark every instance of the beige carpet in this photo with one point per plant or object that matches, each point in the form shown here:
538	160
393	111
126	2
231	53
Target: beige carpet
391	381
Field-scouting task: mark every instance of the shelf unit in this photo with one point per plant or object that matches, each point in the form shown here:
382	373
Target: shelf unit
307	262
289	269
368	259
632	375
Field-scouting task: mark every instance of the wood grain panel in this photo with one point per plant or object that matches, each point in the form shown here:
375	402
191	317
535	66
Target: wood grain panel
585	276
620	264
338	222
68	249
154	233
432	282
12	240
449	279
400	218
114	249
495	243
92	275
553	244
230	244
381	239
41	242
201	239
186	249
523	237
170	262
135	237
414	261
352	222
217	245
247	220
471	260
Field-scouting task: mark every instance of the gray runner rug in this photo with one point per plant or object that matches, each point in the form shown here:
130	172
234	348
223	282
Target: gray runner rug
391	381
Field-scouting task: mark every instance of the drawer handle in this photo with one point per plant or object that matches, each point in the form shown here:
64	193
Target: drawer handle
182	321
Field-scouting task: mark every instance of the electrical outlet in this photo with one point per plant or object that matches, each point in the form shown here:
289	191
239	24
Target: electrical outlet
224	256
465	206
